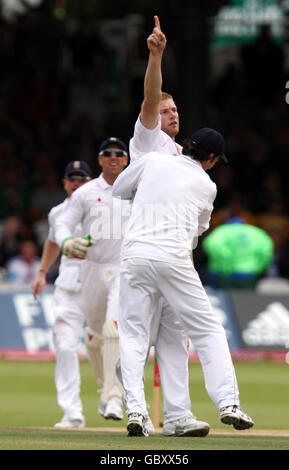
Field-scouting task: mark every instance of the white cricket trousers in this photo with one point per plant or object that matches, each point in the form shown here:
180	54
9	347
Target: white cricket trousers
67	332
100	289
142	283
169	339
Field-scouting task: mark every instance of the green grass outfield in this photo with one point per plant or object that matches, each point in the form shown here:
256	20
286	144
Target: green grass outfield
28	410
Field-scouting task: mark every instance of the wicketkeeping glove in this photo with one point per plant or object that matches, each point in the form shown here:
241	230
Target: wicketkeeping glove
76	247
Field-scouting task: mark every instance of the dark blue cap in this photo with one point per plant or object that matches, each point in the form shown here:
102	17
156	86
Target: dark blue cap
209	140
77	166
111	141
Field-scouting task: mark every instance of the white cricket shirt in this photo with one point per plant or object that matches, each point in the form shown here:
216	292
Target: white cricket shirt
101	216
172	204
69	268
151	140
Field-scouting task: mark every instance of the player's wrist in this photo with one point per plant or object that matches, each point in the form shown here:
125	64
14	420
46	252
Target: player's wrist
156	54
64	242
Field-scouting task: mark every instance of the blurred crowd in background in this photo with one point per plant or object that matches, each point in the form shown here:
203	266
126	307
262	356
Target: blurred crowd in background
58	85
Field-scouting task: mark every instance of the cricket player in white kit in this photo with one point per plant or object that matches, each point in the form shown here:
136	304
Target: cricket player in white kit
94	208
155	130
67	305
172	203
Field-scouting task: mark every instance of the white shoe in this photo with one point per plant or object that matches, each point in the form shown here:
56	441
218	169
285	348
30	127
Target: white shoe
147	422
66	423
113	409
187	426
135	425
101	408
234	415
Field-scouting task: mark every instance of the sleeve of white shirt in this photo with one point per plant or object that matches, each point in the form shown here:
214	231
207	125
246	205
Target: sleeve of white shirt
66	223
144	140
205	216
51	232
204	221
127	181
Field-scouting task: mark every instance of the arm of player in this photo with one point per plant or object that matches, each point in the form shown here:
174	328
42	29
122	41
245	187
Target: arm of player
204	222
51	252
148	125
76	247
205	215
64	228
150	108
126	183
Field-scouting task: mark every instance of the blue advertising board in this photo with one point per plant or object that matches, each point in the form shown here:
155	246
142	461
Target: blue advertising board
252	321
26	323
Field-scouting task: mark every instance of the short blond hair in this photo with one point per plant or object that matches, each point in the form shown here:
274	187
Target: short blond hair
166	96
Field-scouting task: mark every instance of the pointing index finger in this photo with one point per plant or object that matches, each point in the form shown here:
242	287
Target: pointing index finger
157	23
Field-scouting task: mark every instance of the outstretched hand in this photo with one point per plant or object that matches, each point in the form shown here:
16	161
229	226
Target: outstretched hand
157	40
38	284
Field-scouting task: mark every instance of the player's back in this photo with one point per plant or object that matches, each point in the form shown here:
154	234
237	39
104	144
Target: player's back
172	193
171	179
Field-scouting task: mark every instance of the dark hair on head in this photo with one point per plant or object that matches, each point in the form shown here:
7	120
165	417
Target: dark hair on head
194	152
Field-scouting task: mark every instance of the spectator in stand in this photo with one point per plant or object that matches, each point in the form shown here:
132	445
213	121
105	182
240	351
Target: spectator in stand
13	191
274	218
263	58
277	267
37	100
236	207
42	164
79	139
48	195
253	173
23	268
10	239
269	188
224	178
275	221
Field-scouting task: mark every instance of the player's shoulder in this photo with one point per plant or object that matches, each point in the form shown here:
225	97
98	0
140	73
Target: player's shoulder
140	127
143	138
155	156
212	188
210	183
84	189
179	148
54	211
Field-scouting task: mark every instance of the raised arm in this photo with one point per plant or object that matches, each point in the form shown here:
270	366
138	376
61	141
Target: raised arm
150	108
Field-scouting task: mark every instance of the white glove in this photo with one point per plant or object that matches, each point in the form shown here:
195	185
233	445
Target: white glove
75	247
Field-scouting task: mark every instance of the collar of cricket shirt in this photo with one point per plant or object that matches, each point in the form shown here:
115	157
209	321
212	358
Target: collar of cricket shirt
104	184
193	161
